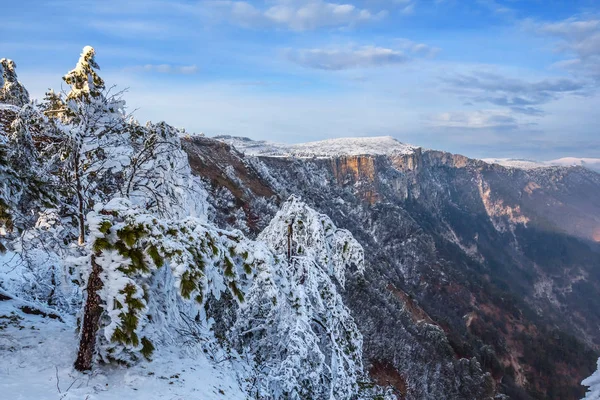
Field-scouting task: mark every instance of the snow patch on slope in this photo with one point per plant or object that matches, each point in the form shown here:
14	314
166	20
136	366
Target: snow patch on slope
515	163
380	145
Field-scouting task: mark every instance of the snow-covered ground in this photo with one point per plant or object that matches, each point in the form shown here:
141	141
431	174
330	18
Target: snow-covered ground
380	145
37	355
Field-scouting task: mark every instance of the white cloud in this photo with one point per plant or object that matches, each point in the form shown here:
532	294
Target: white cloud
125	28
336	59
580	40
519	95
419	49
164	69
481	119
292	14
339	59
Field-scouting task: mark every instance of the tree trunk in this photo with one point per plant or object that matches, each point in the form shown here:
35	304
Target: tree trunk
91	319
80	204
290	233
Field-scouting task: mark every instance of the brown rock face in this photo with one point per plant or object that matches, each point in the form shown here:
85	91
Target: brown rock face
359	171
354	168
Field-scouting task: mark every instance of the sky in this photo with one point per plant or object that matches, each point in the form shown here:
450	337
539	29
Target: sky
484	78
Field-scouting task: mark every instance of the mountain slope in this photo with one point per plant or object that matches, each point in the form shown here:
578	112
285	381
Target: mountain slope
464	259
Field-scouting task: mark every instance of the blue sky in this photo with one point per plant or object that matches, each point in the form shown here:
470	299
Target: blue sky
485	78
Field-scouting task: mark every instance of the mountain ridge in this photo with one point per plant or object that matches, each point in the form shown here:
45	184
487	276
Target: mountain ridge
380	145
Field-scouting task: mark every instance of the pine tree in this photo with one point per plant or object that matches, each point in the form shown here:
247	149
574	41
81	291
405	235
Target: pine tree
127	246
91	138
293	323
9	191
25	188
11	90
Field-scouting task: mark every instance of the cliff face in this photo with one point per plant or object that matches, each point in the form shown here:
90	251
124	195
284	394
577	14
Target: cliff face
480	279
360	172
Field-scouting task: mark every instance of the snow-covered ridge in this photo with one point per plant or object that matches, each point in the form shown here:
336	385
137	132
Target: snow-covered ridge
515	163
590	163
379	145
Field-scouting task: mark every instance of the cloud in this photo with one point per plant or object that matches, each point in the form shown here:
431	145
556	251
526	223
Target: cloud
164	69
518	95
483	119
336	59
405	7
579	40
419	49
126	28
292	14
495	7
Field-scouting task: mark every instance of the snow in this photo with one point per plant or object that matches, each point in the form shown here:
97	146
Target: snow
515	163
37	354
379	145
383	145
9	107
590	163
593	382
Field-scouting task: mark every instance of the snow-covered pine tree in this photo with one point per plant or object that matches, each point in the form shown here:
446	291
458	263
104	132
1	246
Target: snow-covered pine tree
11	90
10	191
127	246
293	323
24	157
12	96
92	138
25	188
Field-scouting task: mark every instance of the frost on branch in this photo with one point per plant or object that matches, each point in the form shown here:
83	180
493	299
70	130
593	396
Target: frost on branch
159	176
303	339
301	231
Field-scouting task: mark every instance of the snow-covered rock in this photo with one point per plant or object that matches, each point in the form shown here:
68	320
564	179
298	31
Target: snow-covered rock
383	145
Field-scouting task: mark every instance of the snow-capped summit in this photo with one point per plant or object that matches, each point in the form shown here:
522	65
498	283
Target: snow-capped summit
353	146
381	145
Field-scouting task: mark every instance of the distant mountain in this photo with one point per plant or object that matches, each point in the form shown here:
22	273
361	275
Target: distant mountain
590	163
